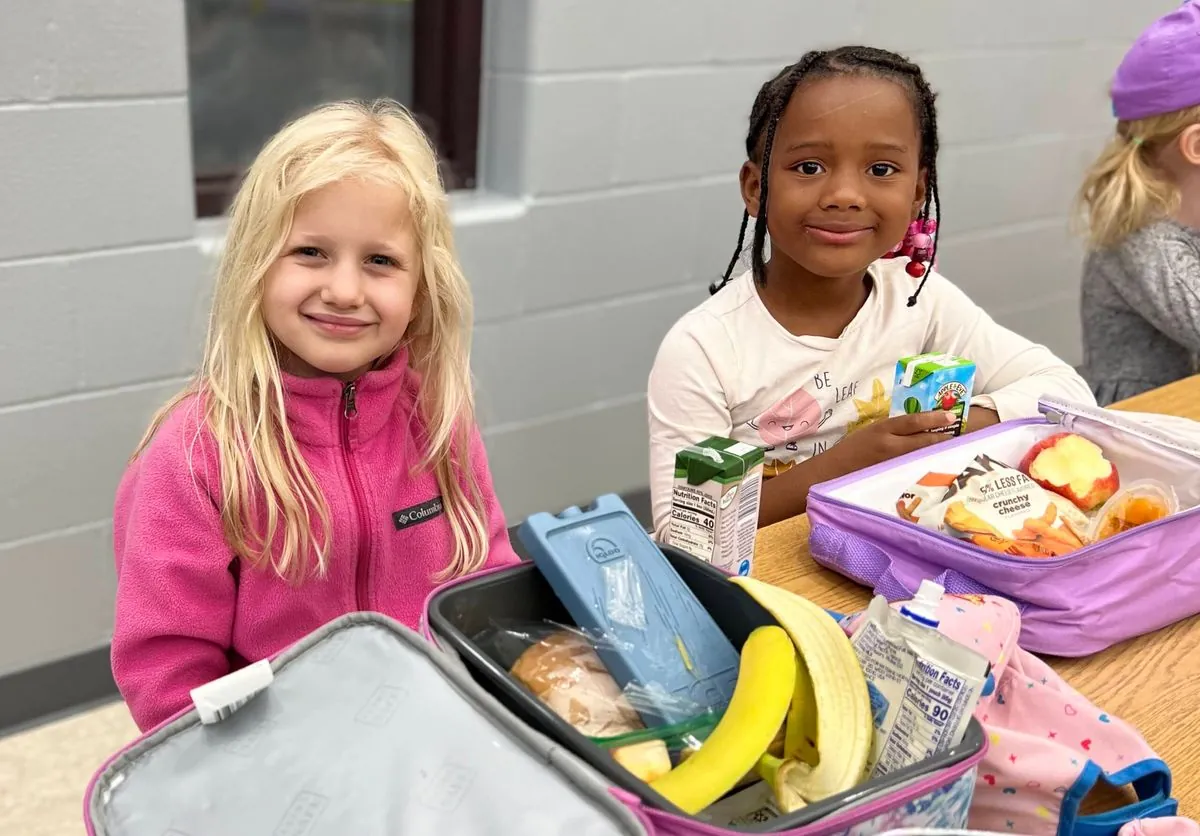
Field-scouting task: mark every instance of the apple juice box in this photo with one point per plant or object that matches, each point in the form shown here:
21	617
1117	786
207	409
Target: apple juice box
714	502
929	382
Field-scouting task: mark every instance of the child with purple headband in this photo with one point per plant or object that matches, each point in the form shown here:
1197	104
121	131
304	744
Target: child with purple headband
1141	281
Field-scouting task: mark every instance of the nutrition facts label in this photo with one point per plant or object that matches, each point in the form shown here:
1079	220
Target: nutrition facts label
693	521
926	702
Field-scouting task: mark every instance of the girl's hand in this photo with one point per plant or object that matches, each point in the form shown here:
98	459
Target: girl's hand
786	495
890	438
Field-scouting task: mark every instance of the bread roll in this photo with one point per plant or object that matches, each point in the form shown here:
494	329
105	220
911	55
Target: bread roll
564	672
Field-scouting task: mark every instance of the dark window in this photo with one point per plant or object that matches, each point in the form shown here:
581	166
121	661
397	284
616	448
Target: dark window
254	64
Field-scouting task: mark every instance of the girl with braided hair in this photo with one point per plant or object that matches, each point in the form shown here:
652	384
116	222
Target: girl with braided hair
798	354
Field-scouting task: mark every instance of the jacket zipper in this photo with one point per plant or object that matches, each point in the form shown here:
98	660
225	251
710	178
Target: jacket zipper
363	563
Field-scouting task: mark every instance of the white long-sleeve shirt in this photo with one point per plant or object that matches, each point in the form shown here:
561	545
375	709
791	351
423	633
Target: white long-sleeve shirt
728	368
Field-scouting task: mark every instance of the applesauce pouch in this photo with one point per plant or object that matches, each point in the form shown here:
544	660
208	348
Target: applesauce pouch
999	508
925	685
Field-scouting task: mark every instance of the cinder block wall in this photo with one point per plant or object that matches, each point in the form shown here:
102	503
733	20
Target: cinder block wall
620	127
610	144
101	276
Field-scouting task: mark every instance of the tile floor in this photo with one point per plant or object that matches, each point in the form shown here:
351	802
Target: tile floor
44	770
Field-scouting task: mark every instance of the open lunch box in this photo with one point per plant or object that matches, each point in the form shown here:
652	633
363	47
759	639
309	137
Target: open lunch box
366	727
1079	603
461	612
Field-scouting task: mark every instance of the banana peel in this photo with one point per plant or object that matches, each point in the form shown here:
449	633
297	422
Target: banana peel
800	735
777	746
843	722
777	773
759	706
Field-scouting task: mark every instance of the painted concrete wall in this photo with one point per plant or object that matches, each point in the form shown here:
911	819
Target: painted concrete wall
610	143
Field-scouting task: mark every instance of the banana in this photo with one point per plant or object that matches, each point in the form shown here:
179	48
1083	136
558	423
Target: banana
844	727
775	750
766	680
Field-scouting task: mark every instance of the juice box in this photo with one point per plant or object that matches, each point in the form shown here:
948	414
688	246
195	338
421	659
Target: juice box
714	502
929	382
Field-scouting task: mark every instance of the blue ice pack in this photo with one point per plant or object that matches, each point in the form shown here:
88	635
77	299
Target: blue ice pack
619	588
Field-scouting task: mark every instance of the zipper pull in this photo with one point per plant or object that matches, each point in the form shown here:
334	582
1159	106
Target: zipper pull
1064	413
1054	413
1066	420
350	409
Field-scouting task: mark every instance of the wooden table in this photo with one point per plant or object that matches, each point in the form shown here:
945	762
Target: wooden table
1153	681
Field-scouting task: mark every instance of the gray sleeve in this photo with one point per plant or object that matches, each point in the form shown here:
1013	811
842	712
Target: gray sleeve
1160	279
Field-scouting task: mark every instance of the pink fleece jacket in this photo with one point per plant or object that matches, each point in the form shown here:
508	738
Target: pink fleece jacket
189	611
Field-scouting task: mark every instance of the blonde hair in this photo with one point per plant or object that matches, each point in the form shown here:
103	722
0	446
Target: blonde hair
238	382
1126	189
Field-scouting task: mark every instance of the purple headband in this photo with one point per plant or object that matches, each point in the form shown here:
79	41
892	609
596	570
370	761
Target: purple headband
1161	71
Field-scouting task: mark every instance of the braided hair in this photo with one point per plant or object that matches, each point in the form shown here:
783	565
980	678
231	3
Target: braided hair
774	96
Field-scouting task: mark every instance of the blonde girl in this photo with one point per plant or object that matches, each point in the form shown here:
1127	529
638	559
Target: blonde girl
325	458
1141	199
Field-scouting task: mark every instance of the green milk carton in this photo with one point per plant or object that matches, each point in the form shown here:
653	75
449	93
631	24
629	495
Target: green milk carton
714	502
929	382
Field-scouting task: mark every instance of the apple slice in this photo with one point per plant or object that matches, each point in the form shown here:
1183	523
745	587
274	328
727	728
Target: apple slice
648	760
1073	467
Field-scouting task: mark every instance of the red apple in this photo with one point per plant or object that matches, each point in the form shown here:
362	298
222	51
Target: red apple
1073	467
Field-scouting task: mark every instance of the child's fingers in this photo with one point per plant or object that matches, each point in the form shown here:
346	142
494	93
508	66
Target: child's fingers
920	422
903	444
928	439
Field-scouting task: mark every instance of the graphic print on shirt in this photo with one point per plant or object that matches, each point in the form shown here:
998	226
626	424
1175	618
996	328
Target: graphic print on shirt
791	430
871	411
784	424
